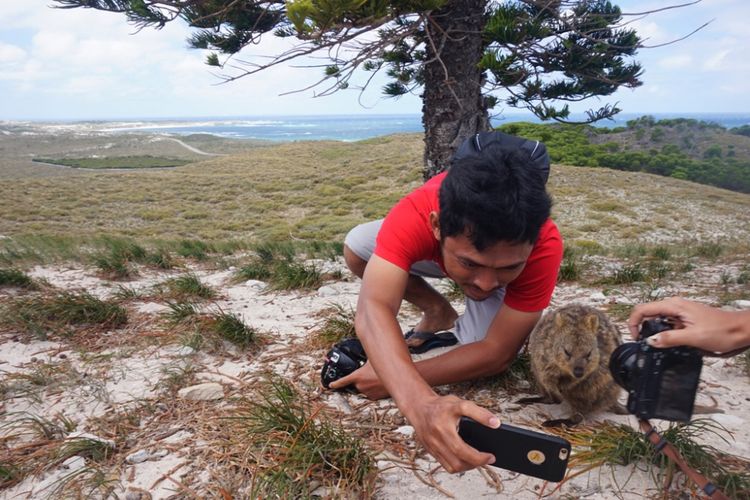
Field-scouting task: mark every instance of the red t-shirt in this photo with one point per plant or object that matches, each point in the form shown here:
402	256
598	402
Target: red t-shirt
406	237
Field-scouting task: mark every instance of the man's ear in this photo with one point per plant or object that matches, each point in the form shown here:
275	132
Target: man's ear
435	224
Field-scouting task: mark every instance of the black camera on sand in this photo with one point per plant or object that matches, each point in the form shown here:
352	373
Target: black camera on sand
343	358
661	383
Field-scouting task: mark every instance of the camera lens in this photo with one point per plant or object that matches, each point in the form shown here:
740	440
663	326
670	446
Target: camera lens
622	363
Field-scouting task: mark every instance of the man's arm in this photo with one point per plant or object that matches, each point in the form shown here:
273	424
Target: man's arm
490	356
434	418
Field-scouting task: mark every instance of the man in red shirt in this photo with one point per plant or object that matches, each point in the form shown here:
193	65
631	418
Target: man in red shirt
485	224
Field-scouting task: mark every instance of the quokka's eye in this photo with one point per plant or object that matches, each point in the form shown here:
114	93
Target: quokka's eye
567	353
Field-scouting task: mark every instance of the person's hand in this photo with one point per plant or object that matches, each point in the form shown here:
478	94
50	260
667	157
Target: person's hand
435	423
365	380
698	325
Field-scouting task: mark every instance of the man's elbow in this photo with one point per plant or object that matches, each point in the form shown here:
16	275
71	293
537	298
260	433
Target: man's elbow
495	360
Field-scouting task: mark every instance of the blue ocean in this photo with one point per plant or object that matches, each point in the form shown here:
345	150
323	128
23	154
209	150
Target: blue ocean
350	127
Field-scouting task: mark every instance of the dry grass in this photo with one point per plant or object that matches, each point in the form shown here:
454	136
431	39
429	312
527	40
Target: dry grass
319	190
305	190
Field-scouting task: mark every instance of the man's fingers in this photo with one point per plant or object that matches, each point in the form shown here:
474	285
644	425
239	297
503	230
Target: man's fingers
342	382
481	415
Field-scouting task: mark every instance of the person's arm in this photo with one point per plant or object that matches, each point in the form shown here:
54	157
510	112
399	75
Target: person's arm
702	326
489	356
434	418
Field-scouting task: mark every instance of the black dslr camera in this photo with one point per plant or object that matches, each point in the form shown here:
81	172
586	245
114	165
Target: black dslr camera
661	383
343	358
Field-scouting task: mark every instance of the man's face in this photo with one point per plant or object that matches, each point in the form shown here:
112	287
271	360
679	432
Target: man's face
479	274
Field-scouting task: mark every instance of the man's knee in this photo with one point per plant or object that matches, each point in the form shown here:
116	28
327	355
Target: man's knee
354	262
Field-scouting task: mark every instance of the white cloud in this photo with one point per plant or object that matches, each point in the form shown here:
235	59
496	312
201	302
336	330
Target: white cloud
11	53
676	61
717	61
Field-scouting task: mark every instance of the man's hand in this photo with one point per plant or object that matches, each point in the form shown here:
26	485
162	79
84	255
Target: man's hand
365	380
435	422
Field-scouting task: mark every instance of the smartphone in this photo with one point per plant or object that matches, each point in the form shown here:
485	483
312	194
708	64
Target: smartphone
519	450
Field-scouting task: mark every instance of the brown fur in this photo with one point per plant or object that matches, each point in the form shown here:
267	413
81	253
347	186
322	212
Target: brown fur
575	338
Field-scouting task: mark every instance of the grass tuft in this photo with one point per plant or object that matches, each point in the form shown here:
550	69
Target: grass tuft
15	277
40	314
93	449
281	273
230	327
186	286
193	249
180	311
609	443
569	268
627	274
338	324
296	450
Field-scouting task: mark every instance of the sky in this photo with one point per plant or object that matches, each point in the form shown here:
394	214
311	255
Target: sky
82	64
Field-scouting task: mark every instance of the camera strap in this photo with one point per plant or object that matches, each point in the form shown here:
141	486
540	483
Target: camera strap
663	446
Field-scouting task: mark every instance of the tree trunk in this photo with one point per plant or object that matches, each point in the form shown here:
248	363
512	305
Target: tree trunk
453	106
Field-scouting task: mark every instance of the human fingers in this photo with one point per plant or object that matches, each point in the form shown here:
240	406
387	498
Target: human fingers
670	307
344	381
466	457
436	425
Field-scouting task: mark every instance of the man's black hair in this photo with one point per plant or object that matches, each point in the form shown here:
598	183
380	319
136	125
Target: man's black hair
492	195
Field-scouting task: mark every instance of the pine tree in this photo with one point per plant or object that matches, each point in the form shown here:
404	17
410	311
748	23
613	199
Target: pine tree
463	56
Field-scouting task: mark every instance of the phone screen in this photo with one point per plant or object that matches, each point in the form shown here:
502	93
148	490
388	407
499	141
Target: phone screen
520	450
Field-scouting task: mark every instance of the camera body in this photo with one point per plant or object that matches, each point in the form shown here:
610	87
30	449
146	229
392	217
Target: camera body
661	383
341	360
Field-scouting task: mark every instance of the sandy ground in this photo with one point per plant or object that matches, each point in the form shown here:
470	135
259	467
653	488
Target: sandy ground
123	374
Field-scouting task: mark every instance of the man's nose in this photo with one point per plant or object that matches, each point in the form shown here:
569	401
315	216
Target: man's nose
487	280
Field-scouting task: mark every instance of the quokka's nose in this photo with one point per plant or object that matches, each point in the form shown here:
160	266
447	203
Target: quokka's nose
578	371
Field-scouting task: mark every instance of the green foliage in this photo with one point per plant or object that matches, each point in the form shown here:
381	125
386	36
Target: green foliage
230	327
186	286
311	447
339	324
570	267
580	145
41	314
180	311
194	249
627	274
15	277
115	256
128	162
618	444
274	263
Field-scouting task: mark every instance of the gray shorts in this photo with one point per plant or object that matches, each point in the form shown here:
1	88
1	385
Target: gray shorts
473	324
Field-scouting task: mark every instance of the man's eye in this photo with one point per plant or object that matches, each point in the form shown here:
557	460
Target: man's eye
468	264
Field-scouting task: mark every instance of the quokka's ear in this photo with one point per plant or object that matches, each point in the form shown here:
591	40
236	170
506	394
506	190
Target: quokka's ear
591	321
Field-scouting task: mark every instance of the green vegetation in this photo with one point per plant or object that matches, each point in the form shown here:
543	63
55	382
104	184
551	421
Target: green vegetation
338	325
15	277
184	287
115	162
617	444
215	326
276	266
666	147
230	327
296	446
570	266
62	311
